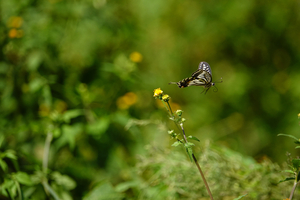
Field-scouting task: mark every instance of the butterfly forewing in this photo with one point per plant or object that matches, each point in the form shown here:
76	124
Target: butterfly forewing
205	67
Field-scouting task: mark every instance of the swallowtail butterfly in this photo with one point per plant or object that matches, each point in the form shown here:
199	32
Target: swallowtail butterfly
201	77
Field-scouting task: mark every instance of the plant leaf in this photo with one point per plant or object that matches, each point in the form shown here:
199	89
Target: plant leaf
10	154
291	136
3	165
296	163
288	171
189	150
193	138
68	115
240	197
175	144
63	180
287	179
23	178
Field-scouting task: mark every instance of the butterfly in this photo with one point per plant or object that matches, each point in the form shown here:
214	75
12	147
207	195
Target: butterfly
201	77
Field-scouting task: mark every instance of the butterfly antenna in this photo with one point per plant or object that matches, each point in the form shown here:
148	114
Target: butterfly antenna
220	81
215	88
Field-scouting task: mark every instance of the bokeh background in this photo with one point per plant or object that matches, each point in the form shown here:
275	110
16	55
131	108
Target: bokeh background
86	70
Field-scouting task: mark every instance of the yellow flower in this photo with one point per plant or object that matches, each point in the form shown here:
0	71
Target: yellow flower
124	102
166	97
15	22
15	33
298	115
44	110
136	57
157	92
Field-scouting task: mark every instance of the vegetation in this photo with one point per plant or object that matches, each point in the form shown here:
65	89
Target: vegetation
77	117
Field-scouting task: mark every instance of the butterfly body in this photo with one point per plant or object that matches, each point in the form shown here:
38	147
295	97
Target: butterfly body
201	77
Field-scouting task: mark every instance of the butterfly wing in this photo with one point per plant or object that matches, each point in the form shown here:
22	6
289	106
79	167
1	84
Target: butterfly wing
205	67
201	77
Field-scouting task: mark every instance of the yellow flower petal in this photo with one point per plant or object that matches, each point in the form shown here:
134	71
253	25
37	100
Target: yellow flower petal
157	92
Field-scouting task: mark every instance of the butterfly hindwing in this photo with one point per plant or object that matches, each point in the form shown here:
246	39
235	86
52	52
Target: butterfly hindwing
202	76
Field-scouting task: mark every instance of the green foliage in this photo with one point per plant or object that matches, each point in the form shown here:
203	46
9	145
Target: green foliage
240	197
83	70
229	174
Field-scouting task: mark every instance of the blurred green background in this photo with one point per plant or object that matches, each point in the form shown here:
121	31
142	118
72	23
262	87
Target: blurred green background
86	71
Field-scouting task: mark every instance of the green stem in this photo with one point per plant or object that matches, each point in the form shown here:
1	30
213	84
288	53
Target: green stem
198	166
19	190
46	152
47	187
50	190
293	190
8	194
183	133
169	111
203	177
185	139
170	108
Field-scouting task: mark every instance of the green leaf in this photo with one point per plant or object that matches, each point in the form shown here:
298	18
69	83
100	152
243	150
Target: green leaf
36	84
189	150
287	179
296	163
288	171
69	134
10	154
122	187
297	147
291	136
190	144
47	95
193	138
175	144
23	178
98	127
34	60
68	115
240	197
103	191
63	180
3	165
1	139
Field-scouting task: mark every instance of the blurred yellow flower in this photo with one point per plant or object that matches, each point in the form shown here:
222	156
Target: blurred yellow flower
15	22
15	33
298	115
60	106
127	100
157	92
136	57
44	110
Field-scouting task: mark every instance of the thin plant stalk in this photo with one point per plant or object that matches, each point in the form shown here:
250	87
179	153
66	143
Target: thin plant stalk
194	158
198	166
293	189
47	187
